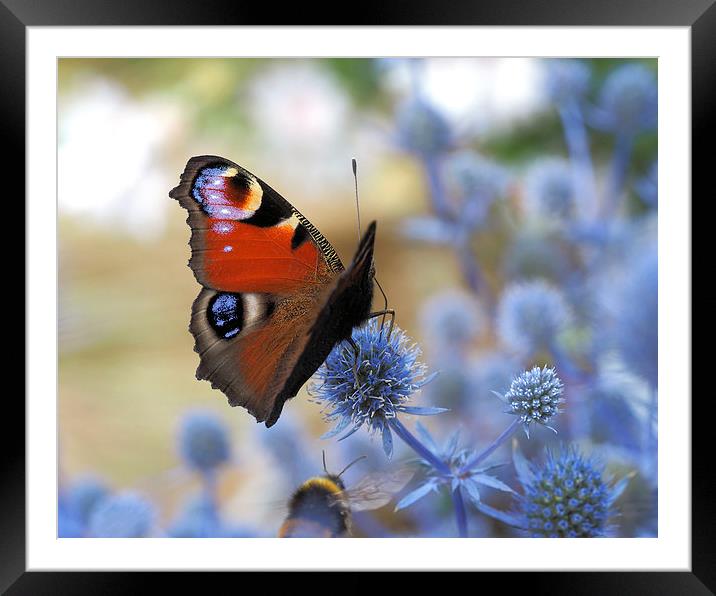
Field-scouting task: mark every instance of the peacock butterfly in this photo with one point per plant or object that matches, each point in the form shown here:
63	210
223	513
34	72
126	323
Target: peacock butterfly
276	298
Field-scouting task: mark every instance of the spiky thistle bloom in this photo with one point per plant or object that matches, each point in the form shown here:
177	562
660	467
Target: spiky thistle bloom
628	100
530	316
124	515
422	129
203	441
535	396
636	325
475	182
454	475
372	387
549	188
566	79
567	496
451	320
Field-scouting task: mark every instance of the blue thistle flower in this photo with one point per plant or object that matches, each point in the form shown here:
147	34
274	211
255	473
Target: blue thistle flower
566	497
422	129
124	515
628	100
475	182
373	388
566	80
535	396
452	319
636	325
530	316
203	441
549	188
454	475
83	496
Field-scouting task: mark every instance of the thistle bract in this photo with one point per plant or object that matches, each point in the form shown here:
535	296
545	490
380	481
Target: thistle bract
371	387
456	474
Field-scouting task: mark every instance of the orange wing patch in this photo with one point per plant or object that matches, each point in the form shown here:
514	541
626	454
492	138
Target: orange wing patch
240	257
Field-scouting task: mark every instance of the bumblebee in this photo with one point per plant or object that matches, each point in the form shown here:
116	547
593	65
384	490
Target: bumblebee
322	506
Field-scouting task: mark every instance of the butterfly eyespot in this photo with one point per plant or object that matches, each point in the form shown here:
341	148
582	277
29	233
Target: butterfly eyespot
225	193
226	314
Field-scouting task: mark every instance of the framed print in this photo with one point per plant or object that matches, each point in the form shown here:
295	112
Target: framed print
438	293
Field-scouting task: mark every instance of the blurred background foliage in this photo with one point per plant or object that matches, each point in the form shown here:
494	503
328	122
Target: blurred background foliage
128	126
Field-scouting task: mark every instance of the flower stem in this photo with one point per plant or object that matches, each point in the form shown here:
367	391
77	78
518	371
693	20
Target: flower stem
620	164
575	135
460	514
473	274
413	442
650	448
480	457
210	490
437	194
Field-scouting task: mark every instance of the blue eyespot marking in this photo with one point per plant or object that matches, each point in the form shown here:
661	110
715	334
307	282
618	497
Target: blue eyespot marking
226	314
208	176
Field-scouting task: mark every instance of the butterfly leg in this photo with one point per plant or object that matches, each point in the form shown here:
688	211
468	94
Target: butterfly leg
356	351
385	312
385	299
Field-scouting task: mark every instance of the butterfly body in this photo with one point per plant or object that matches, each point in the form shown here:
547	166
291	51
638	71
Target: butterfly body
276	297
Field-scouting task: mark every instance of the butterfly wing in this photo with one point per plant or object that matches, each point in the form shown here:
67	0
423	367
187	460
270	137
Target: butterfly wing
343	306
245	236
265	270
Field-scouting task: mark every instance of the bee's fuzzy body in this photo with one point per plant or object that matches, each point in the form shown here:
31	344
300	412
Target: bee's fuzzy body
317	509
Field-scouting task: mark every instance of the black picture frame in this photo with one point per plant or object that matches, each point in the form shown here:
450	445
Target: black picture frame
699	15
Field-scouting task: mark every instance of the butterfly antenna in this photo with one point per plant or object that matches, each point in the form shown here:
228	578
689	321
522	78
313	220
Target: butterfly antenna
355	180
385	298
355	461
